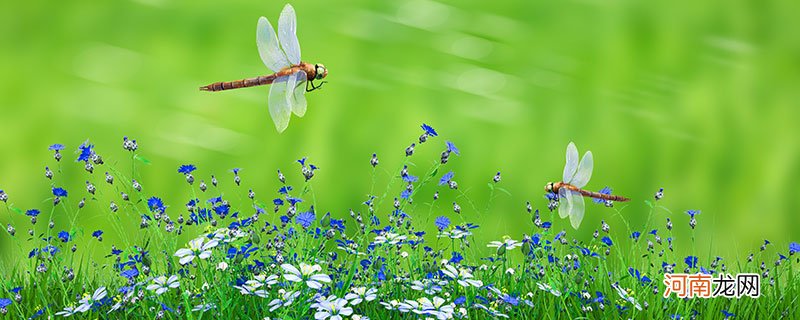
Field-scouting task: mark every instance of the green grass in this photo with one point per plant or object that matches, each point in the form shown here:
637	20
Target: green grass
573	268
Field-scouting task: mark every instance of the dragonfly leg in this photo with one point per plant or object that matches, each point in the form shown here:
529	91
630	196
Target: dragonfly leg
314	87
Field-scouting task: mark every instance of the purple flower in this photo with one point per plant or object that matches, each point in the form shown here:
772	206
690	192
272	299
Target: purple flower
429	130
442	223
186	168
59	192
446	178
305	219
452	148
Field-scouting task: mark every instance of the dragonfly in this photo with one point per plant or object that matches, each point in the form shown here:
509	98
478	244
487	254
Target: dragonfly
281	54
570	194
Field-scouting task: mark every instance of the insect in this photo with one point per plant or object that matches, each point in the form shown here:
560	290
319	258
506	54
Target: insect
570	194
286	94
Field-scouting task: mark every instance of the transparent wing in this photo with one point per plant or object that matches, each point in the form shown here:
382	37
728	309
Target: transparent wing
297	96
572	162
584	172
271	54
287	33
279	108
576	208
564	203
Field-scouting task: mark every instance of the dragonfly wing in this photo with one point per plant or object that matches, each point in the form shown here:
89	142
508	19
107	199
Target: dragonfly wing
279	107
287	33
572	162
584	172
271	54
576	208
564	204
297	93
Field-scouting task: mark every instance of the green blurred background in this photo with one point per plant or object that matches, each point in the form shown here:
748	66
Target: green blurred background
697	97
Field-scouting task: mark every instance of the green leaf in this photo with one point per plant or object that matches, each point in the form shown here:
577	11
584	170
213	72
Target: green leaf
649	204
435	171
491	186
17	210
142	159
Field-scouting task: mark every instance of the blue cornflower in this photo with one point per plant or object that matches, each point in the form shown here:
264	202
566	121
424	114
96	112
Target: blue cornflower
85	151
97	233
277	201
5	302
293	200
285	189
236	171
559	235
446	178
56	147
130	273
305	219
794	247
691	261
457	258
512	300
547	224
635	235
606	190
692	213
59	192
635	273
156	205
222	209
452	148
551	196
654	231
442	223
405	194
410	178
64	236
302	162
727	314
460	300
186	168
15	290
32	212
429	130
607	241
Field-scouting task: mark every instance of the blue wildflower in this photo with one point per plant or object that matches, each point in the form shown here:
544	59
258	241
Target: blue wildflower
606	190
130	273
727	314
691	261
607	241
410	178
446	178
452	148
302	162
794	247
56	147
97	234
692	213
64	236
305	219
59	192
5	302
156	205
547	224
405	194
512	300
460	300
277	201
429	130
32	212
636	274
236	171
85	151
293	200
635	235
456	258
285	189
550	196
442	223
186	168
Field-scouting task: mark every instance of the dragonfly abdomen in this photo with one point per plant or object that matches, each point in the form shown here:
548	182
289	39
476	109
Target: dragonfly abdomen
597	195
236	84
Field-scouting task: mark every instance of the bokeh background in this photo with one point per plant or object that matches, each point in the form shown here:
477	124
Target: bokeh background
699	98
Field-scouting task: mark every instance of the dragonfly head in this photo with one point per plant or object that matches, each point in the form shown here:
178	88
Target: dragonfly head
320	71
549	187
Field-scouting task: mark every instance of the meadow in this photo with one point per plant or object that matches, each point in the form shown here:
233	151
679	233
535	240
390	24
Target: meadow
226	252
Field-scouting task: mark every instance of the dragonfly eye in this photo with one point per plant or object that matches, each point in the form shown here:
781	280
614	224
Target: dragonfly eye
321	71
